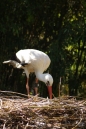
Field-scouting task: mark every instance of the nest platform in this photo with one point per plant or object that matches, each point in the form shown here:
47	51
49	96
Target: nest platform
18	111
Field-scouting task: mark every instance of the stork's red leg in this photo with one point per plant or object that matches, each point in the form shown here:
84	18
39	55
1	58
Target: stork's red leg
36	88
27	86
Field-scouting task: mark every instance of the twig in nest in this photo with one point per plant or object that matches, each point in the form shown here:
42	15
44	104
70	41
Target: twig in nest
77	124
0	103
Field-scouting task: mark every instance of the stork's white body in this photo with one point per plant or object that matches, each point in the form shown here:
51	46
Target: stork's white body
36	61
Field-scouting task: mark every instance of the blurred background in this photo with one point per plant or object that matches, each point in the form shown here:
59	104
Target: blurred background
55	27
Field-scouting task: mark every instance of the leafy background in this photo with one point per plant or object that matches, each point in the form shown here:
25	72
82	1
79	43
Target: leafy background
55	27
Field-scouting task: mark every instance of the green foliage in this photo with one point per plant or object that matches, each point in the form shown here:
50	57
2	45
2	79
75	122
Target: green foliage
56	27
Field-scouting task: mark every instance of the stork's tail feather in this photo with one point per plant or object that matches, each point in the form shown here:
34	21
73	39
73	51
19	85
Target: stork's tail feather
13	63
6	62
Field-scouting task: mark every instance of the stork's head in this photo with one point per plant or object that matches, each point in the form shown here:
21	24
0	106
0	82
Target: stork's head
47	79
49	82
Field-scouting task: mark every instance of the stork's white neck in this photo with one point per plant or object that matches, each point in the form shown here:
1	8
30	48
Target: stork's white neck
44	77
40	76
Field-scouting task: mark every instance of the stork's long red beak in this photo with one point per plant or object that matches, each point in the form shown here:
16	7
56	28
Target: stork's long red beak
50	91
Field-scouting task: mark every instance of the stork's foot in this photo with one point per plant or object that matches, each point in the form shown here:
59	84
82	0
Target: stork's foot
29	95
35	98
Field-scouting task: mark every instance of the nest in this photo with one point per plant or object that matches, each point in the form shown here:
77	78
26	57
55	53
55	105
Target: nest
17	111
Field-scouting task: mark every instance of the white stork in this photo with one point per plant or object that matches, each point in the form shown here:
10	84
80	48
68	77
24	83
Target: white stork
36	61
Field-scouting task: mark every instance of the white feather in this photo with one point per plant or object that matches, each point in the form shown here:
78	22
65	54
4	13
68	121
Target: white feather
37	62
